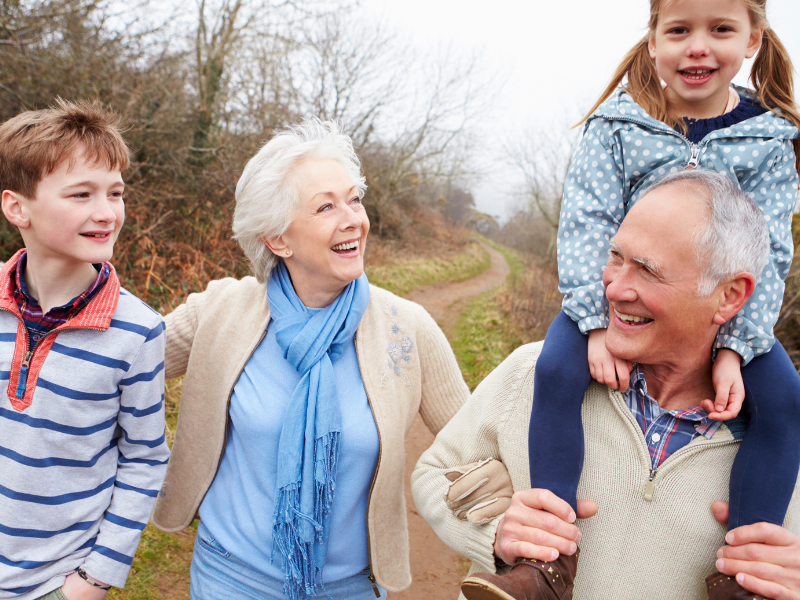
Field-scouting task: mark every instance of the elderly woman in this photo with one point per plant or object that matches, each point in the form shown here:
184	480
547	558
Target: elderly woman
301	385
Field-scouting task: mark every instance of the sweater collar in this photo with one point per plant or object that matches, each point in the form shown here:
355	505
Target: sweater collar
95	315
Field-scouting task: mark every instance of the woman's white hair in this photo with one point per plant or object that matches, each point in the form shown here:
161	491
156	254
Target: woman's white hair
736	237
266	195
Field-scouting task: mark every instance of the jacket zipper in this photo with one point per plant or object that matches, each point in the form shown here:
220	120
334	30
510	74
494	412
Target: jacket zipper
371	575
22	384
649	487
695	159
695	149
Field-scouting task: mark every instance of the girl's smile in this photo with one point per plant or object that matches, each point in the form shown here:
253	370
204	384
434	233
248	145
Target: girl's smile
698	48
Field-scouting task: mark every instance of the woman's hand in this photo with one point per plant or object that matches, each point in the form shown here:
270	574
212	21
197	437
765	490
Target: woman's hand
604	367
538	524
726	375
76	588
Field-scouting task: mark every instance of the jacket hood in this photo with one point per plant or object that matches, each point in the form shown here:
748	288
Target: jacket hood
620	106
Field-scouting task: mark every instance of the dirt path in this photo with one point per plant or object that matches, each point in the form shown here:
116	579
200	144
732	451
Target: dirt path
437	570
445	300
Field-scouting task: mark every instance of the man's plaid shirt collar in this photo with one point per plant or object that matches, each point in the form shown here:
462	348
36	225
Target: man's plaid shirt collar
665	431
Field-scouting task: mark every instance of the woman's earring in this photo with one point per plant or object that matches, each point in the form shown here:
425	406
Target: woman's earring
288	253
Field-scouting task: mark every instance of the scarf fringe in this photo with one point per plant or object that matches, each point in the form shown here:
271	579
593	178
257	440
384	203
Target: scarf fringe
300	538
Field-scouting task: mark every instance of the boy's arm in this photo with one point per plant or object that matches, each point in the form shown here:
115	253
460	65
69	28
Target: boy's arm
749	333
142	463
592	208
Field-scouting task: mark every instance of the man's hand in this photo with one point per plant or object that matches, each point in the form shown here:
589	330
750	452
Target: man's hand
538	524
75	588
764	558
604	367
726	374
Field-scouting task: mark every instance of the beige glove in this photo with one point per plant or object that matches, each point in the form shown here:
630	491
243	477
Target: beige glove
479	491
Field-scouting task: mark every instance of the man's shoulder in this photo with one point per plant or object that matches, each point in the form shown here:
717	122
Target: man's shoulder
512	375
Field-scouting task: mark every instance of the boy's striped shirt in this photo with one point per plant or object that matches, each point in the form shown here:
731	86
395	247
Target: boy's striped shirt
82	445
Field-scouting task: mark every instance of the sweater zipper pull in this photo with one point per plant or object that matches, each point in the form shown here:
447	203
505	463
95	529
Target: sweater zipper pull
23	374
695	159
375	589
648	488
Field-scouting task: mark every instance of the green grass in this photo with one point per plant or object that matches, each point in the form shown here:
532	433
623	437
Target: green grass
482	338
512	256
402	277
160	569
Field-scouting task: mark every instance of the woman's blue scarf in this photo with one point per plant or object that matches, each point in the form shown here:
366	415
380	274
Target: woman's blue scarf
309	445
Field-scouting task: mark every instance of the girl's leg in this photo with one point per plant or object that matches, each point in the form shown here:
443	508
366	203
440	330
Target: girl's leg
555	436
766	467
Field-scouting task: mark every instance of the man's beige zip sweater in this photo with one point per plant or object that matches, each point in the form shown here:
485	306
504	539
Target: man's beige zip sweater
653	537
406	365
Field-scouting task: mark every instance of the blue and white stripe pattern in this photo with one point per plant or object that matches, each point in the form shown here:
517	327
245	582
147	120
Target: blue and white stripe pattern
80	468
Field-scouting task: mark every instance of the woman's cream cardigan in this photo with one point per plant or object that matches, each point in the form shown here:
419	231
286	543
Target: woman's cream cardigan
406	365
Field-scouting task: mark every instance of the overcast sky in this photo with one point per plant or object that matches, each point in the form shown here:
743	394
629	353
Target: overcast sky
554	58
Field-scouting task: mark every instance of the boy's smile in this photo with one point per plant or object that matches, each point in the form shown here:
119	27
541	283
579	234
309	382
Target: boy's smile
76	215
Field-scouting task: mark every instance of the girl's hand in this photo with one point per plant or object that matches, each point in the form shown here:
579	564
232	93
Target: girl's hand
605	368
726	374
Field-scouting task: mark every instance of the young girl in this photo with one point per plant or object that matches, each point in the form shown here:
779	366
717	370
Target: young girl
676	111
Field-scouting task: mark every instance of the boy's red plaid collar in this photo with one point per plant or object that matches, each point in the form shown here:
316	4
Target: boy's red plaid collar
95	315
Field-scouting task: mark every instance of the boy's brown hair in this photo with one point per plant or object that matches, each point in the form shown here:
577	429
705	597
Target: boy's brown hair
34	143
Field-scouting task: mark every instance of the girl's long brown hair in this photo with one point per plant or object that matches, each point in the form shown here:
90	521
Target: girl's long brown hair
771	75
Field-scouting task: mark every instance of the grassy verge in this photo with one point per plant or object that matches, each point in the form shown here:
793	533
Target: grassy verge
483	335
492	325
483	338
511	256
403	276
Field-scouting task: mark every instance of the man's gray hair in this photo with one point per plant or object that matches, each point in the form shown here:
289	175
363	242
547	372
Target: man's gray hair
736	238
266	195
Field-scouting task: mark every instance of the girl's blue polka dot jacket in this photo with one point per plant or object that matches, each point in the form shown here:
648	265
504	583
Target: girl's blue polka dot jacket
623	150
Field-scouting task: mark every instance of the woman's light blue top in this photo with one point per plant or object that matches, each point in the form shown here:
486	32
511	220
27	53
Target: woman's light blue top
237	511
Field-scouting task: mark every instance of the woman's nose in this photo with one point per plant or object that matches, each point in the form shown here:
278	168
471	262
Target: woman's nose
350	219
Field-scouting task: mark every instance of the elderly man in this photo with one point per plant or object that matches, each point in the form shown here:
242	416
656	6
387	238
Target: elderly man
658	532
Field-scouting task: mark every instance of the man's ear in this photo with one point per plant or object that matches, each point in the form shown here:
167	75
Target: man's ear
733	294
14	209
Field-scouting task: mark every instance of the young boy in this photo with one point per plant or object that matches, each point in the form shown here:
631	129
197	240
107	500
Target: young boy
82	446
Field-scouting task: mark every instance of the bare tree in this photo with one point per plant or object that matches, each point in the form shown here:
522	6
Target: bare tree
542	157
